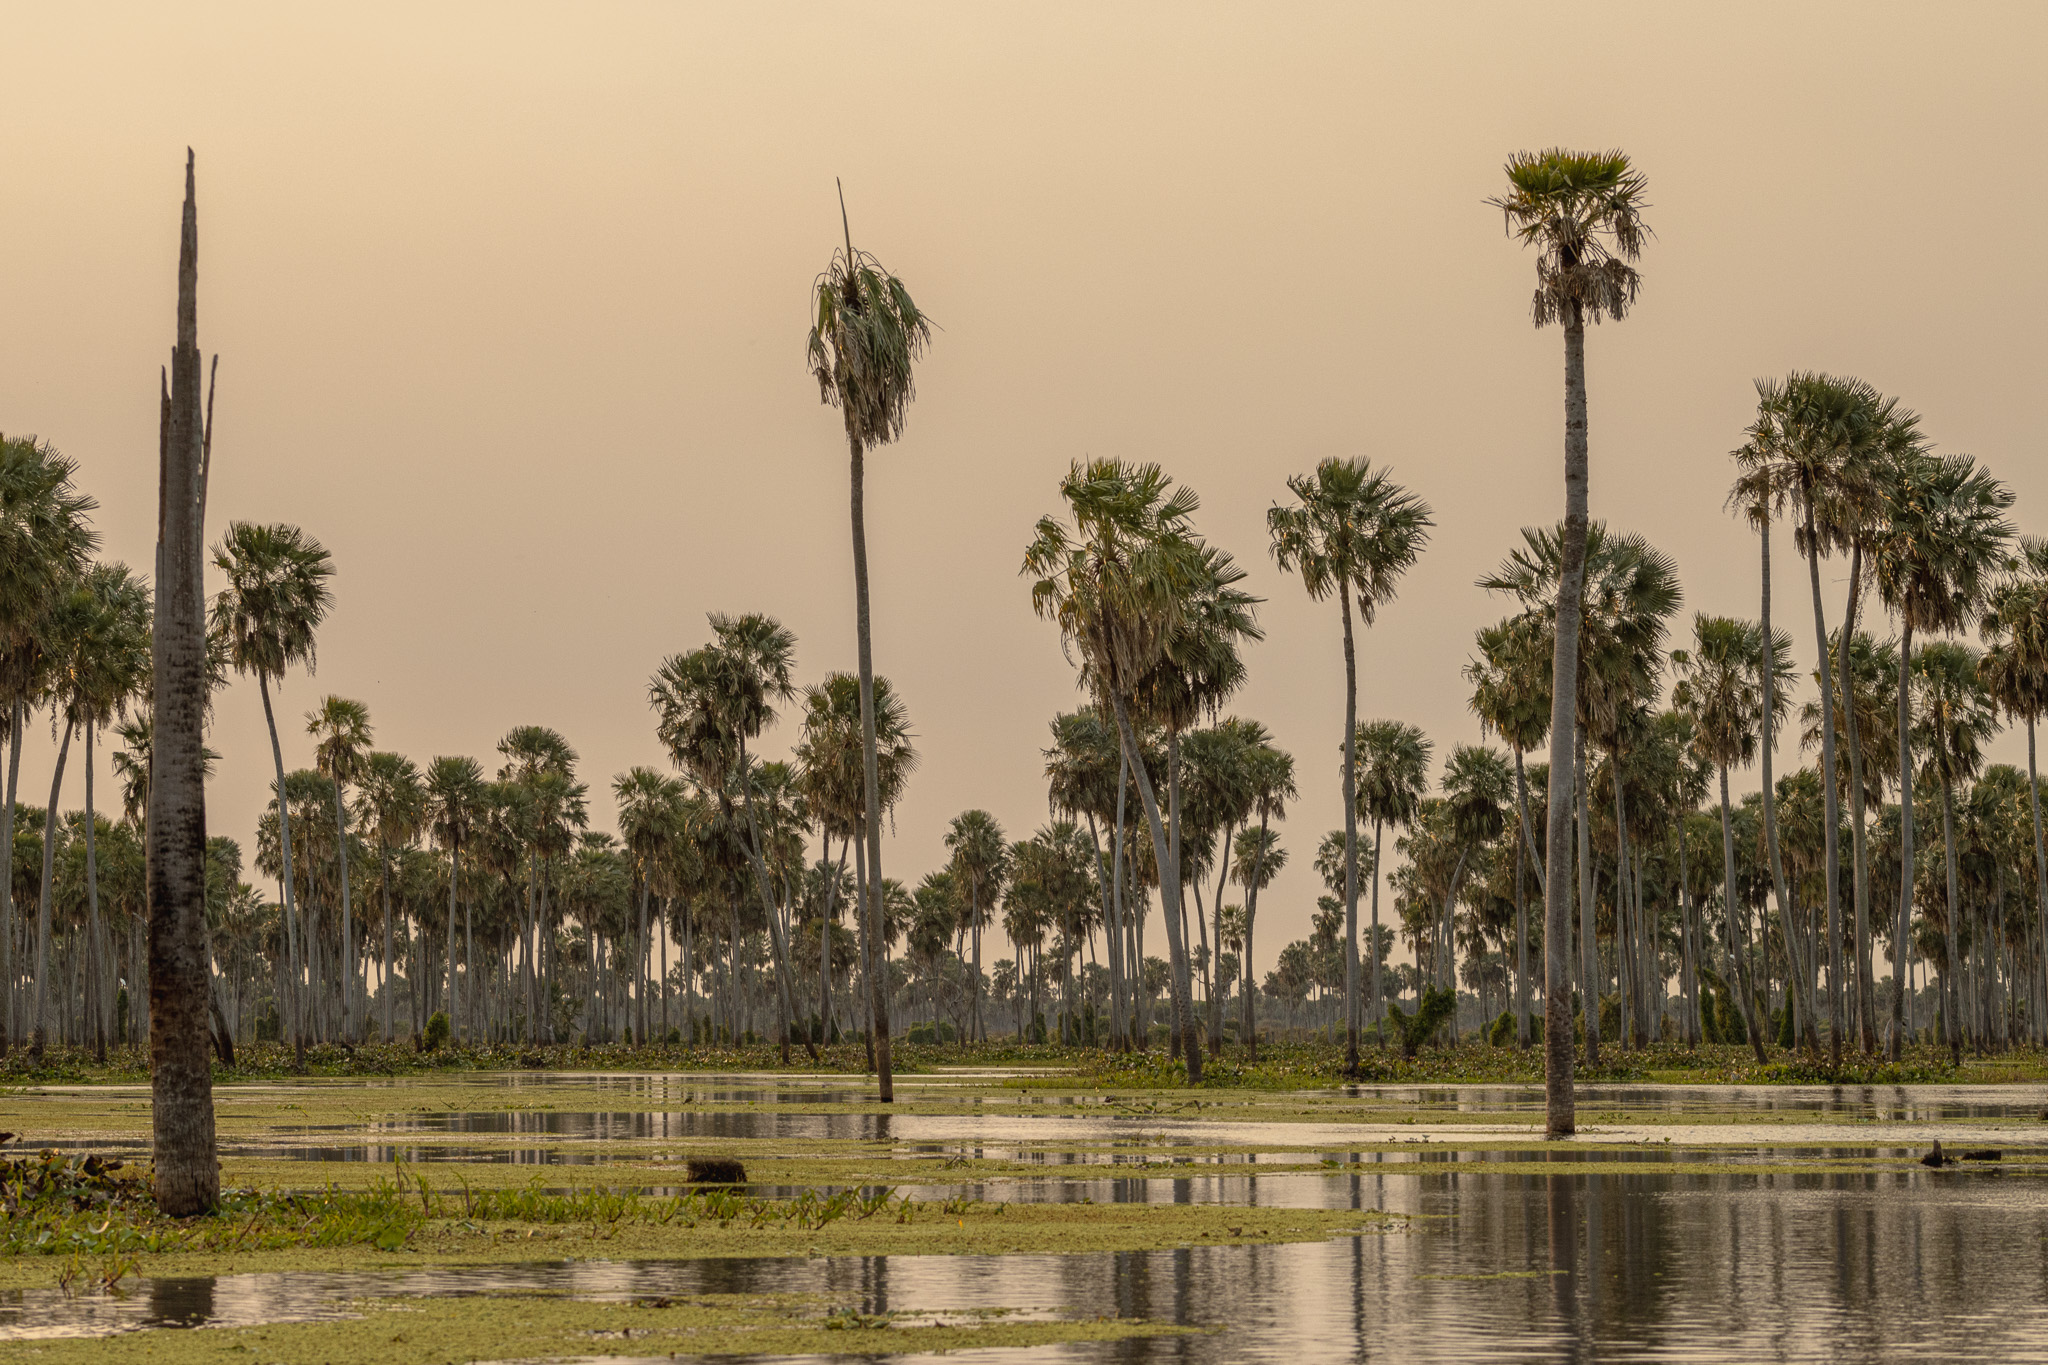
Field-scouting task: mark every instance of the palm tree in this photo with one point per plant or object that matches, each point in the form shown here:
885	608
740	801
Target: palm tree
1511	697
1721	689
1955	718
1476	791
1121	584
1269	776
1818	438
45	543
264	621
341	731
180	979
540	765
1087	778
2014	670
1582	211
395	807
1942	539
980	859
1391	761
863	349
831	765
454	797
1352	530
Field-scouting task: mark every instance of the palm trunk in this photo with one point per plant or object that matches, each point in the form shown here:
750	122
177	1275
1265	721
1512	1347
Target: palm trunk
1830	795
1593	978
1216	948
181	1074
384	890
42	997
1902	956
2040	875
1379	998
17	717
1738	963
348	950
1251	916
1169	879
1350	834
1951	985
1859	850
1559	1118
92	897
1767	751
776	942
454	1002
870	778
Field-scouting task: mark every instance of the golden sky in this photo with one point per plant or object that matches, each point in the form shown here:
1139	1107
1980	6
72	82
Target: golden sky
510	304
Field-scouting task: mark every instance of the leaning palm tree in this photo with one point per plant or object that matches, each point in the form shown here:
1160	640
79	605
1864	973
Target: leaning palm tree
2014	670
264	621
1120	583
45	543
1582	211
864	344
1942	543
454	800
1392	776
1352	530
341	732
1721	691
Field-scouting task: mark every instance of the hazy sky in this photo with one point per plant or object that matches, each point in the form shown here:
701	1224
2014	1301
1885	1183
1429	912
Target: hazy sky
510	303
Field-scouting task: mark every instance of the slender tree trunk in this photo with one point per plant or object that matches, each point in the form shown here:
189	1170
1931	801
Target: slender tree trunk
42	997
1251	916
1951	985
17	717
1738	957
1767	751
870	778
1350	834
1859	848
454	1000
1593	976
1830	792
1902	957
2040	885
1169	878
92	897
348	949
181	1070
1186	1029
384	892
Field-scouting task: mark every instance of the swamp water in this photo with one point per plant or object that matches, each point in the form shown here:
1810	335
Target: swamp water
1839	1248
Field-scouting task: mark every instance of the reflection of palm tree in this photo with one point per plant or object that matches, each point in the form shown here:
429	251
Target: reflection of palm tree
265	621
1942	537
864	344
1353	530
1392	763
1721	689
1583	214
45	542
341	731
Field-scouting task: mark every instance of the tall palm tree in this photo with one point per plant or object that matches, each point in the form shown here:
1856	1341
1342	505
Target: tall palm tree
341	732
980	860
1391	760
1269	780
1954	719
1352	530
1476	790
1582	211
1721	691
1819	438
1942	541
1121	584
540	764
264	621
864	344
1087	779
2014	670
395	808
454	797
45	543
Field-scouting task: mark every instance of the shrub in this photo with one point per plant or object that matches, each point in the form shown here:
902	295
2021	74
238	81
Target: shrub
437	1031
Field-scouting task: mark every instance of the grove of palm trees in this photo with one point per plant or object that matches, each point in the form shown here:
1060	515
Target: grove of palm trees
1277	1012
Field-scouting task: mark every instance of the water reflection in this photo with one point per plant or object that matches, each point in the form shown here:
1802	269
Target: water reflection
1621	1265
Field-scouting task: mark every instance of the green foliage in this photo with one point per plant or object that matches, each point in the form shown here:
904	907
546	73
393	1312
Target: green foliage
1438	1004
437	1031
1502	1032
